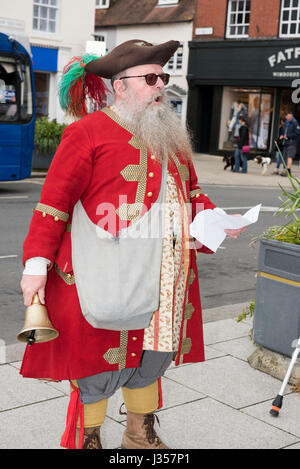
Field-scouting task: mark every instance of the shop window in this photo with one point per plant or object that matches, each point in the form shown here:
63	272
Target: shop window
287	104
99	38
102	3
42	93
290	18
238	18
45	15
176	61
256	106
167	2
177	106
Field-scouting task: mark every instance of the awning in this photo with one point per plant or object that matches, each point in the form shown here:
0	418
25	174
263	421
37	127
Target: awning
44	59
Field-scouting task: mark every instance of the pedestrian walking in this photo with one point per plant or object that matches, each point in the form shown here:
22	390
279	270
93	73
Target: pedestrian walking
125	304
242	147
291	132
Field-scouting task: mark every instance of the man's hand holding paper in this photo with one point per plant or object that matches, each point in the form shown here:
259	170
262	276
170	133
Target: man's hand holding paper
211	227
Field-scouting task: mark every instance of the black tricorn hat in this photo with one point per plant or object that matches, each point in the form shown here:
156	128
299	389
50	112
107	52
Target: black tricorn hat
130	54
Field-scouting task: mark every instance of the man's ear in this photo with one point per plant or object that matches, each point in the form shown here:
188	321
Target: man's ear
119	88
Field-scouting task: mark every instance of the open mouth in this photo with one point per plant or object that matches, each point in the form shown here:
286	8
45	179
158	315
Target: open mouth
158	99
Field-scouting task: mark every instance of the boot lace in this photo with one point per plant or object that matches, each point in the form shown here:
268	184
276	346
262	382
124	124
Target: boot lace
91	440
151	435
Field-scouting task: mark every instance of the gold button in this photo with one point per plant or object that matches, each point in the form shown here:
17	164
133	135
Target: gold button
44	214
56	218
69	275
151	175
171	213
197	195
133	354
134	338
149	194
152	157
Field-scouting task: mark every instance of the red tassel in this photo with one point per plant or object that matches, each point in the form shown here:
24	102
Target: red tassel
89	87
160	399
68	440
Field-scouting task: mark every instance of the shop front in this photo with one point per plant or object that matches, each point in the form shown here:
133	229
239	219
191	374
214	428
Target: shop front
45	69
254	79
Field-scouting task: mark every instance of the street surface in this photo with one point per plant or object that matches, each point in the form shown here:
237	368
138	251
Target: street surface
226	277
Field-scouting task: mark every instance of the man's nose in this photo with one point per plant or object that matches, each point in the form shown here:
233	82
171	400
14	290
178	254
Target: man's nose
159	84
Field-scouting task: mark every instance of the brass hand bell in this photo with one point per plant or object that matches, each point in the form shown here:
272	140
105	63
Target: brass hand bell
37	326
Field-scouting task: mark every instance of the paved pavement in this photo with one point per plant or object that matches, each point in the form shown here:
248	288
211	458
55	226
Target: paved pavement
222	403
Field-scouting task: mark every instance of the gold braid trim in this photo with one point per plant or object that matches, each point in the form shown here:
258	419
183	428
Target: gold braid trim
69	279
117	355
48	210
195	193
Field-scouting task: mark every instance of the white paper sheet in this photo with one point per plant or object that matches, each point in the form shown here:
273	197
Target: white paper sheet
208	225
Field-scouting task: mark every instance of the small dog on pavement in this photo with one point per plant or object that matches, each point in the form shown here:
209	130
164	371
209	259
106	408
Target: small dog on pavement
264	162
229	160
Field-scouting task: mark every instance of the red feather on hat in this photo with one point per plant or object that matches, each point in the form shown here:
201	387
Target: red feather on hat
77	88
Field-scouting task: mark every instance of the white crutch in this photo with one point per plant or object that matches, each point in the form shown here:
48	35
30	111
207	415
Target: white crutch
277	403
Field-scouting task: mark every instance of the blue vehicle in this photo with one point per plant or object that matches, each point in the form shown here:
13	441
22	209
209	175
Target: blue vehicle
17	108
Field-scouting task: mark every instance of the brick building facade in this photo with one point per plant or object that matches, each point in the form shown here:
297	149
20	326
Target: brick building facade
244	59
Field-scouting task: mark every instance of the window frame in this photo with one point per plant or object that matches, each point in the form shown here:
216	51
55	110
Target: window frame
22	91
289	22
174	61
167	2
102	4
236	12
48	19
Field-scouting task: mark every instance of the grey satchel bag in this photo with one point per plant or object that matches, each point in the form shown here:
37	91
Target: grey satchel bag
118	279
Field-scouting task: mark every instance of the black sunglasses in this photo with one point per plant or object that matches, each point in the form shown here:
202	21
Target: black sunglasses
151	78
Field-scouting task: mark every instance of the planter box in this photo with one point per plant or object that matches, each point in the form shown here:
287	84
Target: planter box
41	161
277	303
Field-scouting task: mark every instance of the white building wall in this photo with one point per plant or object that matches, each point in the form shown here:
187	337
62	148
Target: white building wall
159	33
75	26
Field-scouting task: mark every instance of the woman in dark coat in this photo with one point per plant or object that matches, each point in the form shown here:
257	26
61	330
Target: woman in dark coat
242	141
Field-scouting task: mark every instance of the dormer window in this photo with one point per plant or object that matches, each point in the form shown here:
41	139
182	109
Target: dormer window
175	63
102	3
168	2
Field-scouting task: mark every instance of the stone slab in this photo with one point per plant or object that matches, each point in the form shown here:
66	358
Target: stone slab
208	424
289	415
40	426
239	348
22	391
227	379
226	329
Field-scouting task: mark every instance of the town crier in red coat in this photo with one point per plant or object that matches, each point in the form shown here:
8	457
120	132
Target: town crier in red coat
108	249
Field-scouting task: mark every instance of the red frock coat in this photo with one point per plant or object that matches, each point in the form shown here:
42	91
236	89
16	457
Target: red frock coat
99	161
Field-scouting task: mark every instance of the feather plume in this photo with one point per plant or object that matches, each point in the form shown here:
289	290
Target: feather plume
77	88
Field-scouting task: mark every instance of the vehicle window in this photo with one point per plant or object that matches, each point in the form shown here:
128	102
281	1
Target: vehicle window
15	91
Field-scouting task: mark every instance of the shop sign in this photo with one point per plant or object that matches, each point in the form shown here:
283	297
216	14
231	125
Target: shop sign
284	58
257	62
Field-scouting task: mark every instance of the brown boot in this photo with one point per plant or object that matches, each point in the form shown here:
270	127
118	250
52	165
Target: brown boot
91	438
140	433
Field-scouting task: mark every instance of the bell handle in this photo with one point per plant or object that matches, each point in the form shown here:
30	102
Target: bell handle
35	299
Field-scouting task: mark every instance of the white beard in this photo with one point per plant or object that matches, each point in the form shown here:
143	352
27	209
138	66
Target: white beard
157	125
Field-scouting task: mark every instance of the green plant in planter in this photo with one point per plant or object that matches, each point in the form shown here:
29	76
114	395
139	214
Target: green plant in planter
290	231
47	135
